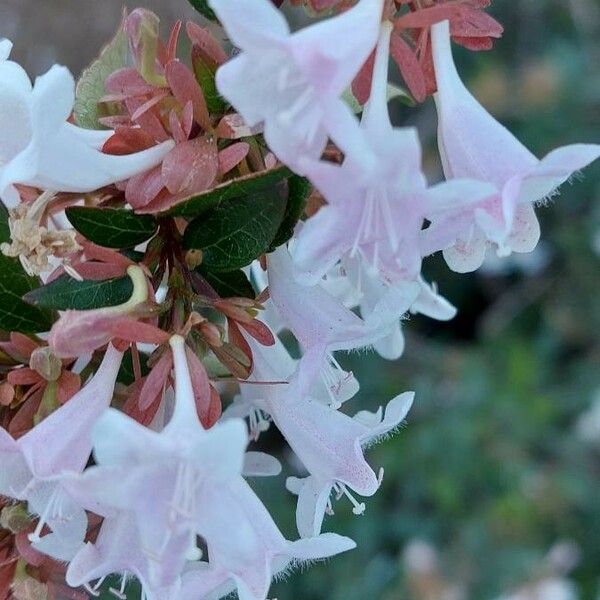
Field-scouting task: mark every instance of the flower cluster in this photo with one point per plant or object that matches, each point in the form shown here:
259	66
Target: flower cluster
171	225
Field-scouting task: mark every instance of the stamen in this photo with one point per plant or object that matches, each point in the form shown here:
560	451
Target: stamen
52	510
99	583
259	422
334	378
358	508
90	590
120	593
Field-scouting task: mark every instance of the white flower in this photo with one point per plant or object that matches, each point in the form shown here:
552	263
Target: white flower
293	82
38	147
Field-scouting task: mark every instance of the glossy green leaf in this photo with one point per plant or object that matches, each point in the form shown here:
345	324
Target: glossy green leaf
4	227
235	188
234	284
15	313
205	76
112	227
204	9
299	190
66	293
234	233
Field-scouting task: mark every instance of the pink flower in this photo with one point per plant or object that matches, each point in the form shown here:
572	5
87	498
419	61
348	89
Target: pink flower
246	548
473	144
118	550
159	479
328	443
389	304
320	322
377	201
293	82
34	466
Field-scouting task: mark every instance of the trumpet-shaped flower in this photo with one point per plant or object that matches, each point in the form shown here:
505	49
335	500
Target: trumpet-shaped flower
33	466
38	147
473	144
118	550
161	478
377	202
320	322
273	365
327	442
331	446
247	549
390	303
293	82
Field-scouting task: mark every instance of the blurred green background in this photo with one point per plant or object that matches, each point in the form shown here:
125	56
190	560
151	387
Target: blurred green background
493	489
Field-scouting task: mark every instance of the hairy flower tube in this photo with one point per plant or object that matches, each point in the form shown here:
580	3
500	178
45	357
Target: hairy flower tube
473	144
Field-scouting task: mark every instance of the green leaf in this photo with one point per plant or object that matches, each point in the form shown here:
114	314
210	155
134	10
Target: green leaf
234	233
205	76
4	227
235	188
299	190
112	227
66	293
15	313
202	7
126	374
234	284
90	88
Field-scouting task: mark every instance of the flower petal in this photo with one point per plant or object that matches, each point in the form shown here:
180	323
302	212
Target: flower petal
250	23
556	168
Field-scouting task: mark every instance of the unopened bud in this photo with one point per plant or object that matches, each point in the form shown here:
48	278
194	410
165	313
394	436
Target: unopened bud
193	258
211	333
234	312
15	518
7	393
46	363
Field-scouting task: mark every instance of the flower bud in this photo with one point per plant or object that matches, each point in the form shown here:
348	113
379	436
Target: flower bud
46	363
7	393
15	518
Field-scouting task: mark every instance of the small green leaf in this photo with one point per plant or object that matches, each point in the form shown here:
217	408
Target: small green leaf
90	88
112	227
234	284
350	99
66	293
299	190
204	9
235	188
15	313
205	76
126	374
4	227
234	233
